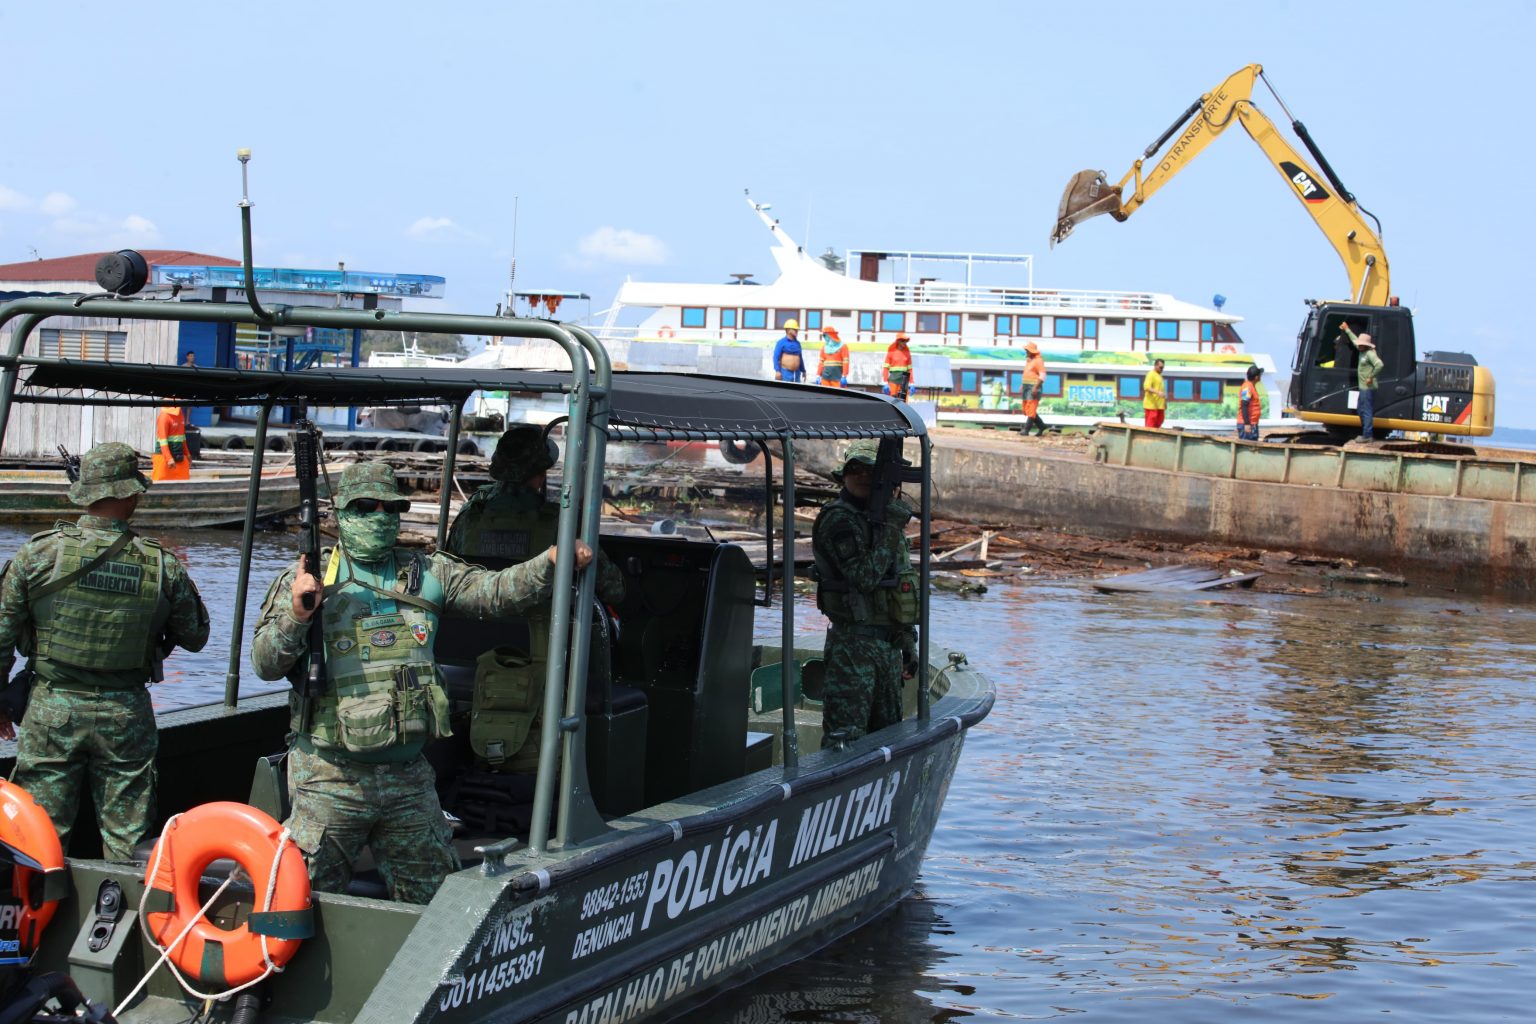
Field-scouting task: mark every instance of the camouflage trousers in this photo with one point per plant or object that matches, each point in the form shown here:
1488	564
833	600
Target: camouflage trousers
102	738
340	806
862	692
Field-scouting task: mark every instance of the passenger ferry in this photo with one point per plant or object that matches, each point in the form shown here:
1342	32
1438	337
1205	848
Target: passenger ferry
967	338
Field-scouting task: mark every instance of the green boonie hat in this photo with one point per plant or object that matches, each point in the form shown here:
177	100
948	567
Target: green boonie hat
109	470
369	480
522	452
865	450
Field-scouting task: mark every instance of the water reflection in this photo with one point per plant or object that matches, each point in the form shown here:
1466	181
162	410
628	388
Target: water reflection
848	982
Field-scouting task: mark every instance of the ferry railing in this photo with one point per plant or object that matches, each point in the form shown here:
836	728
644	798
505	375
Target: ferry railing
940	293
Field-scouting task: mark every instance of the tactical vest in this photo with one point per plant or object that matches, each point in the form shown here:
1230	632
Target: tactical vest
510	525
895	601
109	618
509	683
382	686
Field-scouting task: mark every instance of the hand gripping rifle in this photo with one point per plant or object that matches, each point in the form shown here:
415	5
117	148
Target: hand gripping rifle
306	466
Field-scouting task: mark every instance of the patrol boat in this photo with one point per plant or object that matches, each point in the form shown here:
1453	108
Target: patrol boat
684	832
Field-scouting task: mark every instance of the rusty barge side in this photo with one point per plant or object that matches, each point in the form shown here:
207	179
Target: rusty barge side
1463	521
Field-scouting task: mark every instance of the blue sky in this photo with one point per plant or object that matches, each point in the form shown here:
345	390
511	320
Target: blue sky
394	136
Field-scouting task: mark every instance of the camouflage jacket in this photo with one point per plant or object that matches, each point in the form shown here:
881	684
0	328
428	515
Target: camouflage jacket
282	640
186	626
487	503
859	552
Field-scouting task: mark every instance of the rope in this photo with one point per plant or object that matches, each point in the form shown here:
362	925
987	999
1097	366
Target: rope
284	838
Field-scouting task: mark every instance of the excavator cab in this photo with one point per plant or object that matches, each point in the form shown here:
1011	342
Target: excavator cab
1088	194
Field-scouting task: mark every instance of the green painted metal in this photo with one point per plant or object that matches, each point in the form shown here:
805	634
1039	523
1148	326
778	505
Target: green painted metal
1447	476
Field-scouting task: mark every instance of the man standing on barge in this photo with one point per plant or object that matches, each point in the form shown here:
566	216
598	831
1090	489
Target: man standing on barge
95	608
866	587
356	770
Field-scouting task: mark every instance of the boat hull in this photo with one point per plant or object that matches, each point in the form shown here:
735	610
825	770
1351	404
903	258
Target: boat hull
42	496
673	906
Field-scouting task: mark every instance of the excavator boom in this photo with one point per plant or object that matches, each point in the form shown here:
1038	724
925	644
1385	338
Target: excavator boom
1336	213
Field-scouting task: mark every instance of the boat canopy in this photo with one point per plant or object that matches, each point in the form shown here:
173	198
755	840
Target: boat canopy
642	406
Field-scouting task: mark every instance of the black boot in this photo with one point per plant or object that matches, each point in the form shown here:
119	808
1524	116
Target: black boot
1040	423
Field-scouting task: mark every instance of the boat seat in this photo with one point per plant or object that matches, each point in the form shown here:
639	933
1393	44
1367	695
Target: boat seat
687	643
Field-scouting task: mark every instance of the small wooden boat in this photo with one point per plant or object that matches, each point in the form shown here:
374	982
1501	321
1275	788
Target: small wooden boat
213	497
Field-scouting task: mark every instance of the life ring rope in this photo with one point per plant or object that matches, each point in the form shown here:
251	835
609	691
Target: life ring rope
284	840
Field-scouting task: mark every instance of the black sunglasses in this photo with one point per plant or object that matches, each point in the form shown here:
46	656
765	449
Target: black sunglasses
367	505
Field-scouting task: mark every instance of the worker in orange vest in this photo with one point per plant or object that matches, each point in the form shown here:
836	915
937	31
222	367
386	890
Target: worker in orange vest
834	359
898	369
1034	381
171	460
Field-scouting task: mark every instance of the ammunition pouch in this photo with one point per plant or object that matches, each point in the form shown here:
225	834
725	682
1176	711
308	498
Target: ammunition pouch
401	707
507	699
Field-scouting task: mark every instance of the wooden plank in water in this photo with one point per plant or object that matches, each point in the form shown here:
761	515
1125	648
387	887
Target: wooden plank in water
1173	577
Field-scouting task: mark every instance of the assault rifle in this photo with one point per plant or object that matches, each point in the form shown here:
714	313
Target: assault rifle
891	471
306	467
71	464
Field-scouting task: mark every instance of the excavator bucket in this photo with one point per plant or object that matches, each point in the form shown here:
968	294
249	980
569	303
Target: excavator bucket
1088	194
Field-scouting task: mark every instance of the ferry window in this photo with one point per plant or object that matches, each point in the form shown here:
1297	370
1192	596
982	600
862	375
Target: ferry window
66	344
727	318
893	321
754	319
842	314
1016	382
1167	330
1139	330
1004	325
784	316
1210	391
1051	386
1090	328
951	323
1065	327
928	323
693	316
1207	332
1130	387
813	319
968	382
866	321
1181	390
1029	327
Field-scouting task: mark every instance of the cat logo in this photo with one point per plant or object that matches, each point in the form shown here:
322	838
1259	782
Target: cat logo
1439	404
1301	179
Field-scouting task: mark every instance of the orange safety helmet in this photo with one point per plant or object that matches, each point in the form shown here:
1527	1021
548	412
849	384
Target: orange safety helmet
901	337
1031	347
831	332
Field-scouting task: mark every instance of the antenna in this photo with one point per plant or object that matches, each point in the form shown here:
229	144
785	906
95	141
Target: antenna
512	269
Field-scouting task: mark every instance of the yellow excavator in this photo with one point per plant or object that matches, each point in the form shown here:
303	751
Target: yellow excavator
1436	392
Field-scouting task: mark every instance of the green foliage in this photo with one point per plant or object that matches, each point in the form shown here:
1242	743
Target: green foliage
429	344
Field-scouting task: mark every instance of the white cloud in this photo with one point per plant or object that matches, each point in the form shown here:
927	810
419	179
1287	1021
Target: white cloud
10	199
55	204
92	231
621	245
426	229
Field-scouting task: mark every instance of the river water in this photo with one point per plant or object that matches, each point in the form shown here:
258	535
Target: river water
1182	806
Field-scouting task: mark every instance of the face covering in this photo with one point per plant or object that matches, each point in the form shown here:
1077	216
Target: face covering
367	536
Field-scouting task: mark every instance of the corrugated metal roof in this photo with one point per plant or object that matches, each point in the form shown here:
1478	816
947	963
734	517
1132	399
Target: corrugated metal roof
83	267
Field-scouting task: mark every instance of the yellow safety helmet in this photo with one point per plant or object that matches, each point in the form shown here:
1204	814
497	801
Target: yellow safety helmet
792	325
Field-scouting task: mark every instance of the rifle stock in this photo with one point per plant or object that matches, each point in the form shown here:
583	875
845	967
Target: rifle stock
306	463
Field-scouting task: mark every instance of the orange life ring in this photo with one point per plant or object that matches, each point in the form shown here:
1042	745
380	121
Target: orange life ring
279	921
1229	348
664	332
29	837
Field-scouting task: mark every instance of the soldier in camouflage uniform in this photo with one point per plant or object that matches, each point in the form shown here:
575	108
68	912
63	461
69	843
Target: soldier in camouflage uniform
95	608
356	771
509	520
866	588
